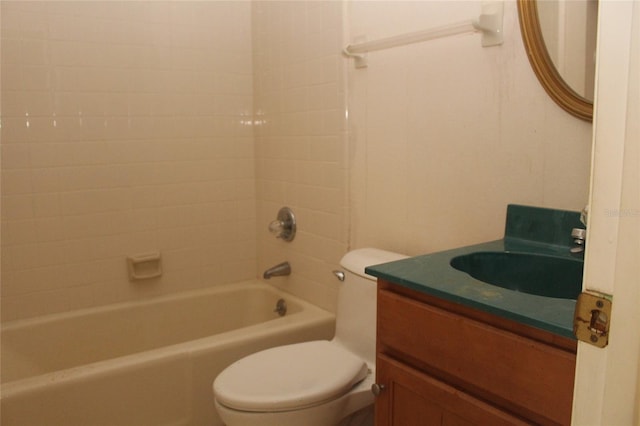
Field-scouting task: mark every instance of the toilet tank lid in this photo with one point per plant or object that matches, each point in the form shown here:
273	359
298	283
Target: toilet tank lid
356	260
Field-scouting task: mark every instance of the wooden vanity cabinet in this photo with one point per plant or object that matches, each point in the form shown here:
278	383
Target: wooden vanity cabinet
442	363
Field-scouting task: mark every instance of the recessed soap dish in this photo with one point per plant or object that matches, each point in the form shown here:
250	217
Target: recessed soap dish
144	266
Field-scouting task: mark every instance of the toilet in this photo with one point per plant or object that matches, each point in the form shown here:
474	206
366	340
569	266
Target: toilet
317	383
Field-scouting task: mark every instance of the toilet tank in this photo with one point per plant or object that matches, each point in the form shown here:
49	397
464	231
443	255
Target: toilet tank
356	315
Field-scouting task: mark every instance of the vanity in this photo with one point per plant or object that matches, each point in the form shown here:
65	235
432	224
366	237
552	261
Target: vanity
453	349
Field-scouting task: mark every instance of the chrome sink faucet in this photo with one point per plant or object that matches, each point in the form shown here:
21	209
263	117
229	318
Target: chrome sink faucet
579	235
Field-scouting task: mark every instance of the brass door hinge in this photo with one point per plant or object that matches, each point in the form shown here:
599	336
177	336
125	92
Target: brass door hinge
592	318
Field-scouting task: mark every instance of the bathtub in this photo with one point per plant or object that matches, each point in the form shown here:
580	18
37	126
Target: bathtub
143	363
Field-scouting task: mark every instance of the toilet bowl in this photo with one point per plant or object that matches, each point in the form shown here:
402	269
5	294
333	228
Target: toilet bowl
316	383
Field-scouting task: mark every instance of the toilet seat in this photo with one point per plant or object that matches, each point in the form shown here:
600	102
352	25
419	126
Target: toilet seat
289	377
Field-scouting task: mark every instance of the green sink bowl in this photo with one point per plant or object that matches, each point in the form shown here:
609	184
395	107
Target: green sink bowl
542	275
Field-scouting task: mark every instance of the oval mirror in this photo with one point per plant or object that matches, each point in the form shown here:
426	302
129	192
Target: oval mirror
560	39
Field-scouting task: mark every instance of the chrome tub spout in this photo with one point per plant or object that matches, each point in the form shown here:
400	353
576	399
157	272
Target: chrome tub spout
279	270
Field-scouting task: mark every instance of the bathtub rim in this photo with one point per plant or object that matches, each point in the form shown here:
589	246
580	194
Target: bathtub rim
309	315
179	295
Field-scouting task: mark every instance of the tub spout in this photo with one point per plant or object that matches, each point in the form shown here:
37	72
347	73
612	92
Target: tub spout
279	270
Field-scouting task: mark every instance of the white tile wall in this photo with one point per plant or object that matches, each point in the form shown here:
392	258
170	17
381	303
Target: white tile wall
126	128
301	155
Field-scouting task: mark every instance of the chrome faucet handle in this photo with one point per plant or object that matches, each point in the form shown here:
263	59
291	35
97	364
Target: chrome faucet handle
579	236
276	227
284	226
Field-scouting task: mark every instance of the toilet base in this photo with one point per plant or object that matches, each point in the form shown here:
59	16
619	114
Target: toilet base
363	417
331	413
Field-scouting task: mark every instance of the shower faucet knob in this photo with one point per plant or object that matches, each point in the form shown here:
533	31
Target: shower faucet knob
276	227
285	225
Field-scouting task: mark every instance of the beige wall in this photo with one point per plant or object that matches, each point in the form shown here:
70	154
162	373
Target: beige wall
445	133
126	128
300	141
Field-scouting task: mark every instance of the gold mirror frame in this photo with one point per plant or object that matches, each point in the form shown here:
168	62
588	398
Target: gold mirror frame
543	67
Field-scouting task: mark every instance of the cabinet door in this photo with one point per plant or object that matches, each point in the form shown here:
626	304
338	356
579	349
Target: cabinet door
412	398
531	379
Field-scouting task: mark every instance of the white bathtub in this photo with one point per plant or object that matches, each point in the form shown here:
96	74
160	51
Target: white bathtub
148	363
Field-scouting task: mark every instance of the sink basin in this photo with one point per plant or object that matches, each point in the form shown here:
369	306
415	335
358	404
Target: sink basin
541	275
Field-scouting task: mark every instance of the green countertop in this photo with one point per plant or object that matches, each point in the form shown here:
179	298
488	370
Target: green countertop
433	275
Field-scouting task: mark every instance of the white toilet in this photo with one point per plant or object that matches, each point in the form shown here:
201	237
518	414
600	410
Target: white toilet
316	383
